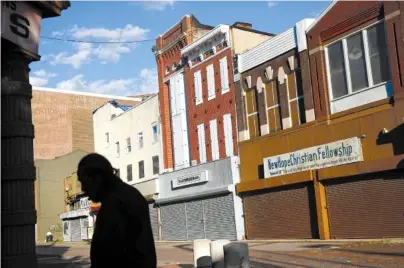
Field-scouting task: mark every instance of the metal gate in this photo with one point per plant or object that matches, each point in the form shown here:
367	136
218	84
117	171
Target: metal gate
281	213
84	228
154	221
75	228
211	218
195	225
366	206
173	222
219	216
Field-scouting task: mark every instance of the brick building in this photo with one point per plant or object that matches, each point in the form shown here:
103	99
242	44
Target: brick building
340	173
197	197
63	120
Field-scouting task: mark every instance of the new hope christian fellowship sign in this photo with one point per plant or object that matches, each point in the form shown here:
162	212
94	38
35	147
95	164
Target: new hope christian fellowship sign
316	157
20	24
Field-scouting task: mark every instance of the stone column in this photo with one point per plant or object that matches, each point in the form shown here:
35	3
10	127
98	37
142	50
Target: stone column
18	215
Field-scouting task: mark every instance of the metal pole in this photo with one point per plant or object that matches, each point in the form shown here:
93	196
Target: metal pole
17	162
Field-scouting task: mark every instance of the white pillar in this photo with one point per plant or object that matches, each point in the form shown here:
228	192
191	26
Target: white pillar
202	256
217	253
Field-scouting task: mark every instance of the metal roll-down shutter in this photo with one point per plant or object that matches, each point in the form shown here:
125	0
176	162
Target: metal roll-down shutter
173	222
154	221
75	230
366	206
195	226
281	213
219	217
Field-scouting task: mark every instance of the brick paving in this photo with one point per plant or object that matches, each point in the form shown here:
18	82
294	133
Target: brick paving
262	255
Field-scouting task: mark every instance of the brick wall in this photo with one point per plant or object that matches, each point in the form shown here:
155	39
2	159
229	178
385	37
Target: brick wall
64	122
210	110
345	18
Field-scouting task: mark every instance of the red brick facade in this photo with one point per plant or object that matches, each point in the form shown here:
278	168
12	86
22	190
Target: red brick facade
343	19
169	52
210	109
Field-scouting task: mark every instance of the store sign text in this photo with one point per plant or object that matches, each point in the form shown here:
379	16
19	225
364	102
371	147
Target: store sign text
190	180
316	157
20	24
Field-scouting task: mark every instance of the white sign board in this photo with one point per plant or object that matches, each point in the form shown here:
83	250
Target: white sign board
190	179
316	157
20	24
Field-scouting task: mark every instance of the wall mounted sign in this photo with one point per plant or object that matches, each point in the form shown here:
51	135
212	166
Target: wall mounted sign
84	202
190	179
316	157
20	24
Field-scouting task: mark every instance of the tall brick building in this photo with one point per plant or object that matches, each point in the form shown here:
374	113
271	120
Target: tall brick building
63	120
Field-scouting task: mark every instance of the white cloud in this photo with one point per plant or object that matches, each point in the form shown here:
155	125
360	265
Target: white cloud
272	3
158	5
85	52
76	59
58	33
148	81
145	82
127	33
40	78
37	81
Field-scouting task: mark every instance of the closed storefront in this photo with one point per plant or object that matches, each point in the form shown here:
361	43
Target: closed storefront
285	212
200	202
75	230
367	206
211	218
154	221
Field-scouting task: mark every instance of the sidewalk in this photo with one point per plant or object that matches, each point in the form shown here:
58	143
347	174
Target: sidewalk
263	254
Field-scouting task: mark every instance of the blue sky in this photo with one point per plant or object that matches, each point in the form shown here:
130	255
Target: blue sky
129	69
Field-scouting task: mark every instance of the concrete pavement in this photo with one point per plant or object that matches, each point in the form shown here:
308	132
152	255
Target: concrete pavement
263	254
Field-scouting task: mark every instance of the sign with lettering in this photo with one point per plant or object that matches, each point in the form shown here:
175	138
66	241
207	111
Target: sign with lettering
84	202
316	157
20	24
190	179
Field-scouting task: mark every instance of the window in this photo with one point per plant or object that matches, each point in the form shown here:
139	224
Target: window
201	143
355	64
140	140
252	114
118	172
167	69
198	87
156	165
128	145
228	134
273	107
210	73
155	133
141	169
224	75
107	137
175	66
213	139
118	151
129	172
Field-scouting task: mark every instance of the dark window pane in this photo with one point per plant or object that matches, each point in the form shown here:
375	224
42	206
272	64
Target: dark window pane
129	172
141	169
337	70
378	54
118	173
156	166
357	63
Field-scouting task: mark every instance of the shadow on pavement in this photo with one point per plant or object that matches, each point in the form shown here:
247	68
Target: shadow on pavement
52	255
186	247
393	254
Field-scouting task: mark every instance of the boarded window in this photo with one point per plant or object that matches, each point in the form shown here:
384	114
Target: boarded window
129	172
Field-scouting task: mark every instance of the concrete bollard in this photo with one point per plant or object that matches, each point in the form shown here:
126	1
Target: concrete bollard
217	253
202	256
236	255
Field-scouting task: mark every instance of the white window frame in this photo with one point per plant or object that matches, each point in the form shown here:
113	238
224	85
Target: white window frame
211	81
118	149
223	71
356	99
228	137
140	137
213	141
202	143
155	135
198	87
128	145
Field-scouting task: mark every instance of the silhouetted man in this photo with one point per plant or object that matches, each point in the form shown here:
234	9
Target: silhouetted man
123	236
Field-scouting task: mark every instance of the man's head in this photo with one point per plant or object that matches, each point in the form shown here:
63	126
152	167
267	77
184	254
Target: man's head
96	175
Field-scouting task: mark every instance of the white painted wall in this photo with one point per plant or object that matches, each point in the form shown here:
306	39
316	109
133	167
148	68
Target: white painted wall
140	118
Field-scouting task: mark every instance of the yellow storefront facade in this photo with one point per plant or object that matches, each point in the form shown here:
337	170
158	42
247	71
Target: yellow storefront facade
340	172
